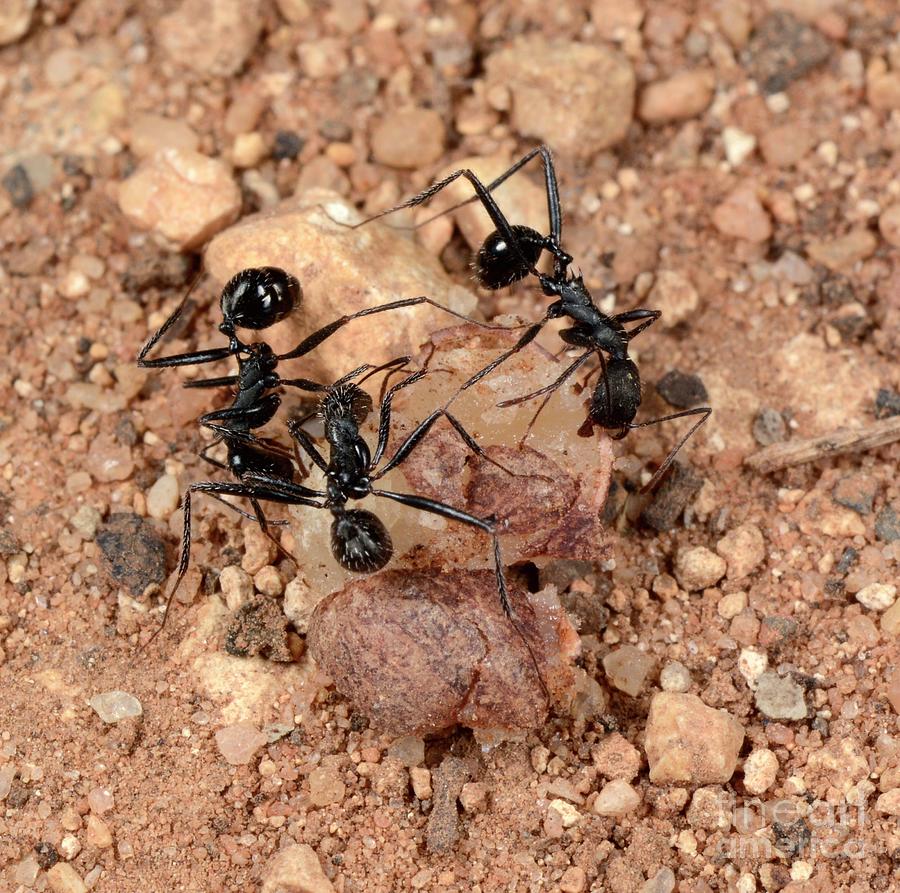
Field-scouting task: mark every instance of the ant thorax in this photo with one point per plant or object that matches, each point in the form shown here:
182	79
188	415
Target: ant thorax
347	401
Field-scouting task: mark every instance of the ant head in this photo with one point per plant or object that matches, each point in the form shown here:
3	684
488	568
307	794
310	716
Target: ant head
346	401
257	298
499	263
360	542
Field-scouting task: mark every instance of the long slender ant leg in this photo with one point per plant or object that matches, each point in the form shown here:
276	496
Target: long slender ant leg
649	317
415	437
498	218
704	411
219	489
547	392
527	337
174	316
220	382
264	522
247	515
316	338
554	385
300	437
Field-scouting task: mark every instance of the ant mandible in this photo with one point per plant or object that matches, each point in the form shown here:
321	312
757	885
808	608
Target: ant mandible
509	254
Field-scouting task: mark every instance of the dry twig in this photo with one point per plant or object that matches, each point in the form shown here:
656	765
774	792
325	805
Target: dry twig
798	452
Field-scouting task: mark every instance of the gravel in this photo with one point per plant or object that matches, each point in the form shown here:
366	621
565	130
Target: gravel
112	706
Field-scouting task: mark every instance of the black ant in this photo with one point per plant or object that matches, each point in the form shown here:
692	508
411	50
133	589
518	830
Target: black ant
251	458
257	298
508	255
359	540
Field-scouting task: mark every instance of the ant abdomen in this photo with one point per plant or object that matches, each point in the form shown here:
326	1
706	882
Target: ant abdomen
259	297
499	264
360	542
243	458
617	396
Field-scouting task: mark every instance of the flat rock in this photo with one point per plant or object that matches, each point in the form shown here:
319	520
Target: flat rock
743	549
840	254
182	196
239	743
149	133
419	653
779	697
688	742
697	567
742	216
627	668
341	270
409	138
674	295
111	706
230	29
577	97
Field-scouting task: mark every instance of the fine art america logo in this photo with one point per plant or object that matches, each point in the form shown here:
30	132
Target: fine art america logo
794	830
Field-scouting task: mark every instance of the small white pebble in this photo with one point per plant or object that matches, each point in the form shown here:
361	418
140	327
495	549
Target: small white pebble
568	813
675	676
162	497
877	596
69	847
115	705
752	664
739	145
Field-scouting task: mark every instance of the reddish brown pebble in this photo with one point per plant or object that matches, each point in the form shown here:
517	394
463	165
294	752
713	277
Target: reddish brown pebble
690	742
409	138
419	652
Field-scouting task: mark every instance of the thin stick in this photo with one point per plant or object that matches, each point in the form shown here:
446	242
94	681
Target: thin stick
798	452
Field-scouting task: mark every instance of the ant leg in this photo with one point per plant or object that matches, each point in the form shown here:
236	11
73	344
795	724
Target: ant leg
311	342
264	526
548	391
187	359
243	514
704	411
254	416
384	415
273	489
527	337
650	317
554	385
415	437
220	382
299	436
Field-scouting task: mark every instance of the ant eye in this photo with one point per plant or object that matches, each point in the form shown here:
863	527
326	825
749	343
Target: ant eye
259	297
360	542
499	264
